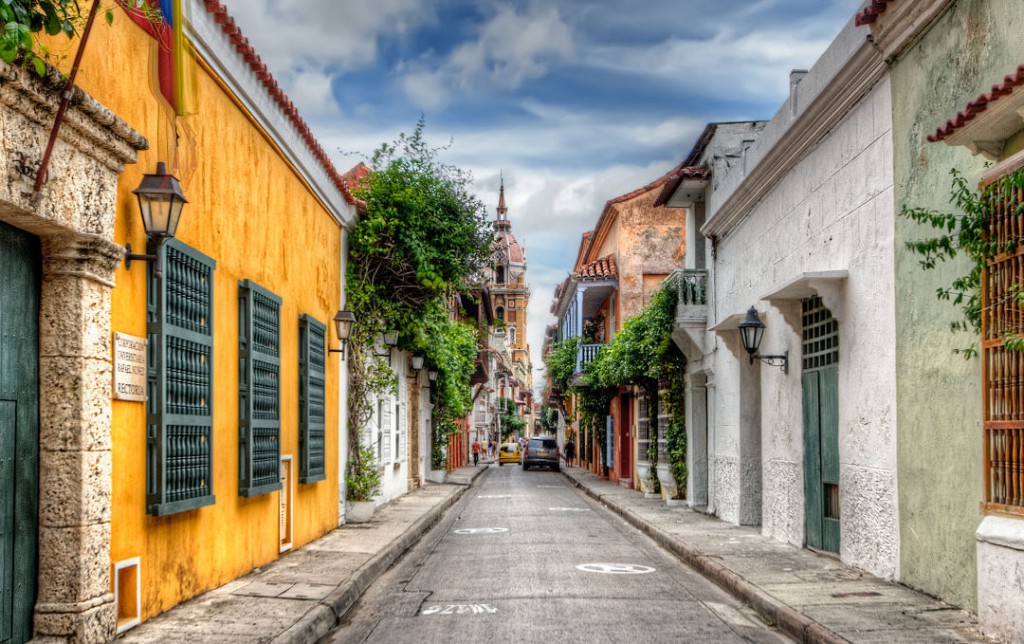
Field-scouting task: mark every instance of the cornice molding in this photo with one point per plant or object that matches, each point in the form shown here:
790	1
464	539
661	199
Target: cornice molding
860	73
902	23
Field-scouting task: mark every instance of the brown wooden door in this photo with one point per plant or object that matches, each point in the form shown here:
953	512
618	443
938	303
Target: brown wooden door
625	438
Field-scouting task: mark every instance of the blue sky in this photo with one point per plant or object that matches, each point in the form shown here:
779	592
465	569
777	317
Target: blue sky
574	101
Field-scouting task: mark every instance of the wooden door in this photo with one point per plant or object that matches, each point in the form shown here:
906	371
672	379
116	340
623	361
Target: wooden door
625	439
820	382
19	430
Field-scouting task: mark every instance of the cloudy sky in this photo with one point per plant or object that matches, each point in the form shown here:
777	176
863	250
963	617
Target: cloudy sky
574	101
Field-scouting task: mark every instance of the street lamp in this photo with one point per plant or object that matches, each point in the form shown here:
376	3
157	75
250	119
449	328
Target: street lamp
751	332
160	204
387	339
343	321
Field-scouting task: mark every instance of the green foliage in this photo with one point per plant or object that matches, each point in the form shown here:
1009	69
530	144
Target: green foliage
362	478
673	373
509	419
561	362
963	233
422	237
549	419
638	350
22	20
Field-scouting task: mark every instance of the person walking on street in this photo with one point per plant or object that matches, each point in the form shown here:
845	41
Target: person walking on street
476	452
570	452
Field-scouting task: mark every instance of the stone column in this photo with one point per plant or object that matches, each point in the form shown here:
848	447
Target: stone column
697	440
74	601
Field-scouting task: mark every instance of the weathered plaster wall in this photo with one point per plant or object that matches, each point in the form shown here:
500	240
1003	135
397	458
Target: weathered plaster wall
650	240
832	211
971	47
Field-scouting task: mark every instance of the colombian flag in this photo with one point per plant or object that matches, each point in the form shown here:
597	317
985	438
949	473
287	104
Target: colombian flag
163	20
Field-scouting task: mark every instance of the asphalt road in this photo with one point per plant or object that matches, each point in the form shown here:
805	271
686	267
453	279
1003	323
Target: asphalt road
525	557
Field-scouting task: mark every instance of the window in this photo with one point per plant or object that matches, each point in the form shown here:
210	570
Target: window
499	275
403	433
259	390
500	314
179	405
384	432
512	335
643	426
312	377
1003	369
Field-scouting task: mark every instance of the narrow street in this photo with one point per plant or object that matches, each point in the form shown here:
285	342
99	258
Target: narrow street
525	557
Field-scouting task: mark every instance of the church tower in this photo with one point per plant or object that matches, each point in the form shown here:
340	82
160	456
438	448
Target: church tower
510	296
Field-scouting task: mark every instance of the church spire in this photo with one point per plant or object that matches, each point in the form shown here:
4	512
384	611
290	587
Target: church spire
502	209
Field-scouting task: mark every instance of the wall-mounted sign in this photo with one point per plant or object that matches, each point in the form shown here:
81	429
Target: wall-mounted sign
129	367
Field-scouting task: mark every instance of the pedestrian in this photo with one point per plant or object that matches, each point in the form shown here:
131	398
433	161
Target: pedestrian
476	452
570	451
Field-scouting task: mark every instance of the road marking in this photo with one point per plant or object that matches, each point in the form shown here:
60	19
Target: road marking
460	609
480	530
615	568
569	509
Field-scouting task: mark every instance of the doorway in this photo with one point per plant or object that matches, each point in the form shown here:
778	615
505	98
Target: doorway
20	270
820	381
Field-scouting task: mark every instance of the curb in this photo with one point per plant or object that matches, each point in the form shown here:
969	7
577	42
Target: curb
788	619
320	620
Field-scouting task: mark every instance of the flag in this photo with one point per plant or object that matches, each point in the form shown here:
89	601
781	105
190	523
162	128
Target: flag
164	21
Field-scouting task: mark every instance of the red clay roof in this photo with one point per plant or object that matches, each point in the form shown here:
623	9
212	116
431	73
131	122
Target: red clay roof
979	105
259	69
870	13
677	176
601	269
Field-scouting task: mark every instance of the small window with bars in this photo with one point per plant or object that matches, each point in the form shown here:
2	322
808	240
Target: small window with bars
179	405
1003	367
259	390
312	400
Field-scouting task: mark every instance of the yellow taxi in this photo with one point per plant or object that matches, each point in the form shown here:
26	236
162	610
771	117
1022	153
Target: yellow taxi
508	453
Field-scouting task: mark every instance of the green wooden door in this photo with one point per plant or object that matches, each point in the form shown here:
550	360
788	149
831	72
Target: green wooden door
821	425
19	430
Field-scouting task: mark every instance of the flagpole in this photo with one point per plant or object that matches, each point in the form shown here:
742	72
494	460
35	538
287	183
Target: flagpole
65	99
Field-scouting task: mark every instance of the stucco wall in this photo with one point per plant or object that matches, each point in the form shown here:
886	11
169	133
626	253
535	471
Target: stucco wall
253	213
971	47
832	211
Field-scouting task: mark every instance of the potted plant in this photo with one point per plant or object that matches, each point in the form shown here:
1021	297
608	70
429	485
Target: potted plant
362	482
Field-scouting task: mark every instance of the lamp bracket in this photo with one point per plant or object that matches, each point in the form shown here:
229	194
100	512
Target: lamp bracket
781	361
341	350
129	256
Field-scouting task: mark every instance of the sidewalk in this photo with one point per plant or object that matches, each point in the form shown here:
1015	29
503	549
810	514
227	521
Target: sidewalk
811	597
301	596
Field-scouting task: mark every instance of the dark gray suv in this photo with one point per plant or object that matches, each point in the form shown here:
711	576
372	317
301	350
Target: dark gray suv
541	452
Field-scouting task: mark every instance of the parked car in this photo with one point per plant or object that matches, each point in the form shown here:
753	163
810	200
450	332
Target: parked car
541	452
509	453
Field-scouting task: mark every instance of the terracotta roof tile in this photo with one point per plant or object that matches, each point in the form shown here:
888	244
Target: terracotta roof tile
259	69
701	172
871	12
979	105
601	269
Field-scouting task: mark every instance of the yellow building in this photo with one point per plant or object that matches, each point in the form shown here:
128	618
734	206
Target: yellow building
169	467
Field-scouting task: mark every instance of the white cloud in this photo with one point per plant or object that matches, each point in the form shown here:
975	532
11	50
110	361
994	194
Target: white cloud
510	49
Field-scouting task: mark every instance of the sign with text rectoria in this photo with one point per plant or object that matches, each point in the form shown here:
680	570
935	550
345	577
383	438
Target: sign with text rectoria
129	367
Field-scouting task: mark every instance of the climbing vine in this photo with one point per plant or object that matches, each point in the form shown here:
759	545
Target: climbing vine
963	233
420	239
21	21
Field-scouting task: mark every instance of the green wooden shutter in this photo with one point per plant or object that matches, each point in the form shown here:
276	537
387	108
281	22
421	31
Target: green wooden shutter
259	390
312	377
179	449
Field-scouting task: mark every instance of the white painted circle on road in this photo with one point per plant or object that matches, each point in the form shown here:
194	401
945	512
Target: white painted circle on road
569	509
481	530
615	568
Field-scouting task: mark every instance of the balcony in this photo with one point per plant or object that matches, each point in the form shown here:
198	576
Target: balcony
691	312
586	355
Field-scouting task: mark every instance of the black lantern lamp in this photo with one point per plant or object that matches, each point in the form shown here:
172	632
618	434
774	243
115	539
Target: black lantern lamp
389	340
343	321
417	363
431	375
751	332
160	204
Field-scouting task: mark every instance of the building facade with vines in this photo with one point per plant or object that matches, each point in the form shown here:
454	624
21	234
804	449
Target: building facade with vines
177	427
